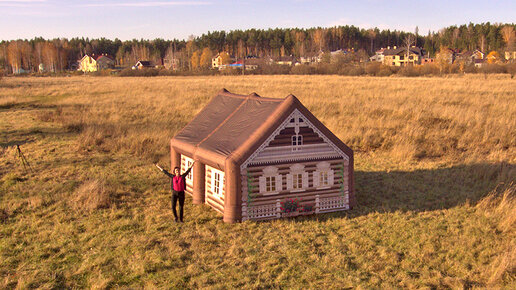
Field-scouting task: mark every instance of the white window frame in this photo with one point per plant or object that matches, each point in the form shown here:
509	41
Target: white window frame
188	162
297	141
217	184
270	183
297	172
269	176
297	181
323	168
323	178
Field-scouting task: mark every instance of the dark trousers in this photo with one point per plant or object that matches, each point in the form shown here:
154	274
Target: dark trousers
178	195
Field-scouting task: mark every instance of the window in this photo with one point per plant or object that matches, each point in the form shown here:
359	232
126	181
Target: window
186	162
216	182
270	181
323	175
297	179
188	165
323	178
297	140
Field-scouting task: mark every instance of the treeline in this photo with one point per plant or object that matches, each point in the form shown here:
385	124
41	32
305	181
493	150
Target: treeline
59	54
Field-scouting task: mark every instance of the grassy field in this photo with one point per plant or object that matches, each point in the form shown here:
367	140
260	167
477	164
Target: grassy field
435	170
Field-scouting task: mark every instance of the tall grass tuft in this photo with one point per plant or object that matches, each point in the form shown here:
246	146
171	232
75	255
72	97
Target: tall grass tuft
92	195
501	206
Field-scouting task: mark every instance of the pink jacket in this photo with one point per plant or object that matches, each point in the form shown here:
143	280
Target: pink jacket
178	183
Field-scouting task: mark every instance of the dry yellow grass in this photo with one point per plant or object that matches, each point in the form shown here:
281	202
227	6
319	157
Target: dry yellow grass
459	117
427	150
91	195
501	206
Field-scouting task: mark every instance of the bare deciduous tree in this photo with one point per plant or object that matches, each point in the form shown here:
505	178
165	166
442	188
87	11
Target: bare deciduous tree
14	55
372	35
318	37
508	36
300	42
49	56
482	42
408	43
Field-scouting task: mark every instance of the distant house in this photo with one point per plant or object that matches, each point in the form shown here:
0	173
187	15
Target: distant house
142	64
477	54
87	64
236	64
397	56
251	63
311	58
510	56
216	62
447	55
105	62
285	60
465	57
378	55
469	57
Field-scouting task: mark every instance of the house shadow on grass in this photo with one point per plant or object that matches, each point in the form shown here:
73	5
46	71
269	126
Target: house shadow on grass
424	190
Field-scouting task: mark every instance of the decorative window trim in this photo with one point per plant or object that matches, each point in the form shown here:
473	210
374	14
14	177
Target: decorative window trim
296	170
286	124
270	172
297	181
323	167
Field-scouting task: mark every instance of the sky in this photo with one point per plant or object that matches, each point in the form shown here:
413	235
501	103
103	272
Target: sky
129	19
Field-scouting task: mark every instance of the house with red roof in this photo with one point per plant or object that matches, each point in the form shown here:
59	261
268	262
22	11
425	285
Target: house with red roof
105	62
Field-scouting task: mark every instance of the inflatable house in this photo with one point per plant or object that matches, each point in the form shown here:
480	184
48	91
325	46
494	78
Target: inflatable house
263	158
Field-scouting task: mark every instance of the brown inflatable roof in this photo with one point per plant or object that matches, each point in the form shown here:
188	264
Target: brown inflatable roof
232	125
